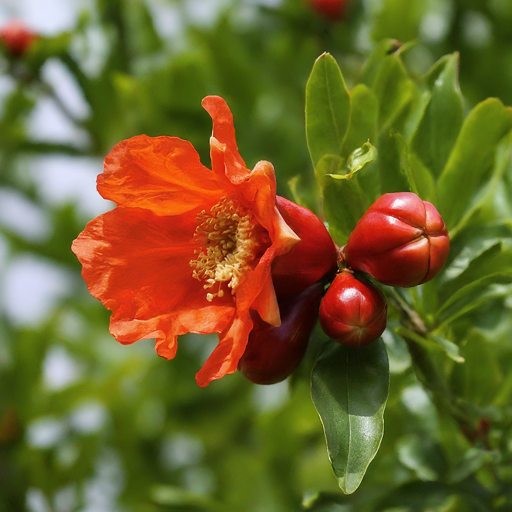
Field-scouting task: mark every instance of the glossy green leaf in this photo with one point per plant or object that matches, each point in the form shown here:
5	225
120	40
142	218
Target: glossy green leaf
393	164
372	64
433	342
343	200
349	388
327	109
496	259
474	249
474	295
327	166
486	194
422	180
394	90
361	157
363	119
471	157
344	204
442	118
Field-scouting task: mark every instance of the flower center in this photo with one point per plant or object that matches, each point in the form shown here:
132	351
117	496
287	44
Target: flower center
228	245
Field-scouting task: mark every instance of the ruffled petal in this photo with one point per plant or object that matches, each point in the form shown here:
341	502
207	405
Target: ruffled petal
161	174
224	359
138	265
223	126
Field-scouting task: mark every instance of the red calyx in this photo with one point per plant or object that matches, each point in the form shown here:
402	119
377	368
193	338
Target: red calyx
401	241
273	353
332	9
314	258
17	38
353	312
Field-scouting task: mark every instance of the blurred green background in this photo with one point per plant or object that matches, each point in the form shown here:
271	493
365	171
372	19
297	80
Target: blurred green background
89	425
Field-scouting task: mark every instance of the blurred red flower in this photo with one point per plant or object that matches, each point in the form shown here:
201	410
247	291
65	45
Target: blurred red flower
332	9
17	38
187	249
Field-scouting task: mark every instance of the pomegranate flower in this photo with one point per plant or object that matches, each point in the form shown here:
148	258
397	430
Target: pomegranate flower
187	249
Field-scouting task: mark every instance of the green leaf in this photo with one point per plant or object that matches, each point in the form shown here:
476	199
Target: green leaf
486	194
372	64
327	166
474	459
450	348
399	19
349	388
363	119
422	179
441	121
472	250
497	259
327	109
360	157
393	164
433	342
394	90
344	201
479	380
418	177
344	204
472	296
471	157
421	456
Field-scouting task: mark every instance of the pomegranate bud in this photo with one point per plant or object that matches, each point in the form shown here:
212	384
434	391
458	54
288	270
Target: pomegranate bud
353	312
401	241
17	38
311	259
273	353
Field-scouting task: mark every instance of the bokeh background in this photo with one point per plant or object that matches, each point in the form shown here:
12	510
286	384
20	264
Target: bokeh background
89	425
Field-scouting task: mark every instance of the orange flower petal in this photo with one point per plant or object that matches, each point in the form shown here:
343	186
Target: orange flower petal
224	359
161	174
223	127
138	265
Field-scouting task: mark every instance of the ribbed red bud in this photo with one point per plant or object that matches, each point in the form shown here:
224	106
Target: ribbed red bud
17	38
401	241
311	259
353	312
273	353
332	9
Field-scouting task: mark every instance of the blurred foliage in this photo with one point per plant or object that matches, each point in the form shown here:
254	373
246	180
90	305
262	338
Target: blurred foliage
125	430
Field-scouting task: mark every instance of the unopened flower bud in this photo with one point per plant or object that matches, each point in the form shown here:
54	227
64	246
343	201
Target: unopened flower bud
311	259
353	312
17	38
401	241
273	353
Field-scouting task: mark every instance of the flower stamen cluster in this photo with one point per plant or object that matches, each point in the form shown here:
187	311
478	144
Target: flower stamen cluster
228	246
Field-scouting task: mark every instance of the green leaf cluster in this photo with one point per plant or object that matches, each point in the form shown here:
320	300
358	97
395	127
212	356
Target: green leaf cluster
398	132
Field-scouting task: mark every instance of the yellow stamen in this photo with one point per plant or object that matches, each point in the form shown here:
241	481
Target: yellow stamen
228	246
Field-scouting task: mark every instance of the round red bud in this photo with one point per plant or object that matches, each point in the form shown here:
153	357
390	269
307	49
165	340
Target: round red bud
17	38
353	312
401	241
273	353
314	258
331	9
